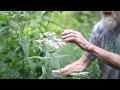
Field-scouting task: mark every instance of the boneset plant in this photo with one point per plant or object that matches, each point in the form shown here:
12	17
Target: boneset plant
49	46
52	45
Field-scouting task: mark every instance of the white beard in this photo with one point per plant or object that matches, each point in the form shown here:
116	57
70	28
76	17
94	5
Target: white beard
109	22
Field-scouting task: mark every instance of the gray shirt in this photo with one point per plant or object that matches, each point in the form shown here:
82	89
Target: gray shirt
110	41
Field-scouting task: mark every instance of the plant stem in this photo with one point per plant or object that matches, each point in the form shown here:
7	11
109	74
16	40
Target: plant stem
49	21
23	70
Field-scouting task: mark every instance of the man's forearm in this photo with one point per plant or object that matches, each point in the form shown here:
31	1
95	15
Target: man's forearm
80	64
109	58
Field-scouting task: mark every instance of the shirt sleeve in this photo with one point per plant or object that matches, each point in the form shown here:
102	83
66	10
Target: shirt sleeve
93	40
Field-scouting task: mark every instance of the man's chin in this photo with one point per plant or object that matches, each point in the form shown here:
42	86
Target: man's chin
110	25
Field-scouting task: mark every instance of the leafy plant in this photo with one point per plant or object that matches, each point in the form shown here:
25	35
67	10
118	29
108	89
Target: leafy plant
22	56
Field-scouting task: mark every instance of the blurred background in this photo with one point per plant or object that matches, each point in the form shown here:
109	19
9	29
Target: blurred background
21	58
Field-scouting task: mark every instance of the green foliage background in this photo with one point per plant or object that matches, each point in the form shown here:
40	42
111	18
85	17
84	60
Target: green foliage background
21	58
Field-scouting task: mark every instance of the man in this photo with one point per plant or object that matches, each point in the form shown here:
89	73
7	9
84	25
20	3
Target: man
104	44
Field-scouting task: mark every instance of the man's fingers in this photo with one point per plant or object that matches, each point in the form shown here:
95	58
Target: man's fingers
68	31
69	35
56	71
70	39
72	36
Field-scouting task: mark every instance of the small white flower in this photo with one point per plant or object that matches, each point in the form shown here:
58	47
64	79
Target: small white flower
55	37
58	40
46	40
53	33
39	41
62	43
49	33
52	40
54	45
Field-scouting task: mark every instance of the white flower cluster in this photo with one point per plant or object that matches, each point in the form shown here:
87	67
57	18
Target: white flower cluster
79	73
52	40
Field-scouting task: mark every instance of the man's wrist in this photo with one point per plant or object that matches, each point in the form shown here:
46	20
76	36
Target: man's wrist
88	46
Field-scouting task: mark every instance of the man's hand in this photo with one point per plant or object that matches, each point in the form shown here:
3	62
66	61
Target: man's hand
69	69
77	38
80	64
74	37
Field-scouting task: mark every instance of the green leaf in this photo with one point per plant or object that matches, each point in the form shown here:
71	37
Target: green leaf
58	75
3	29
10	53
2	67
53	22
60	56
49	73
43	12
37	57
31	64
25	46
22	27
11	72
54	62
44	73
13	24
